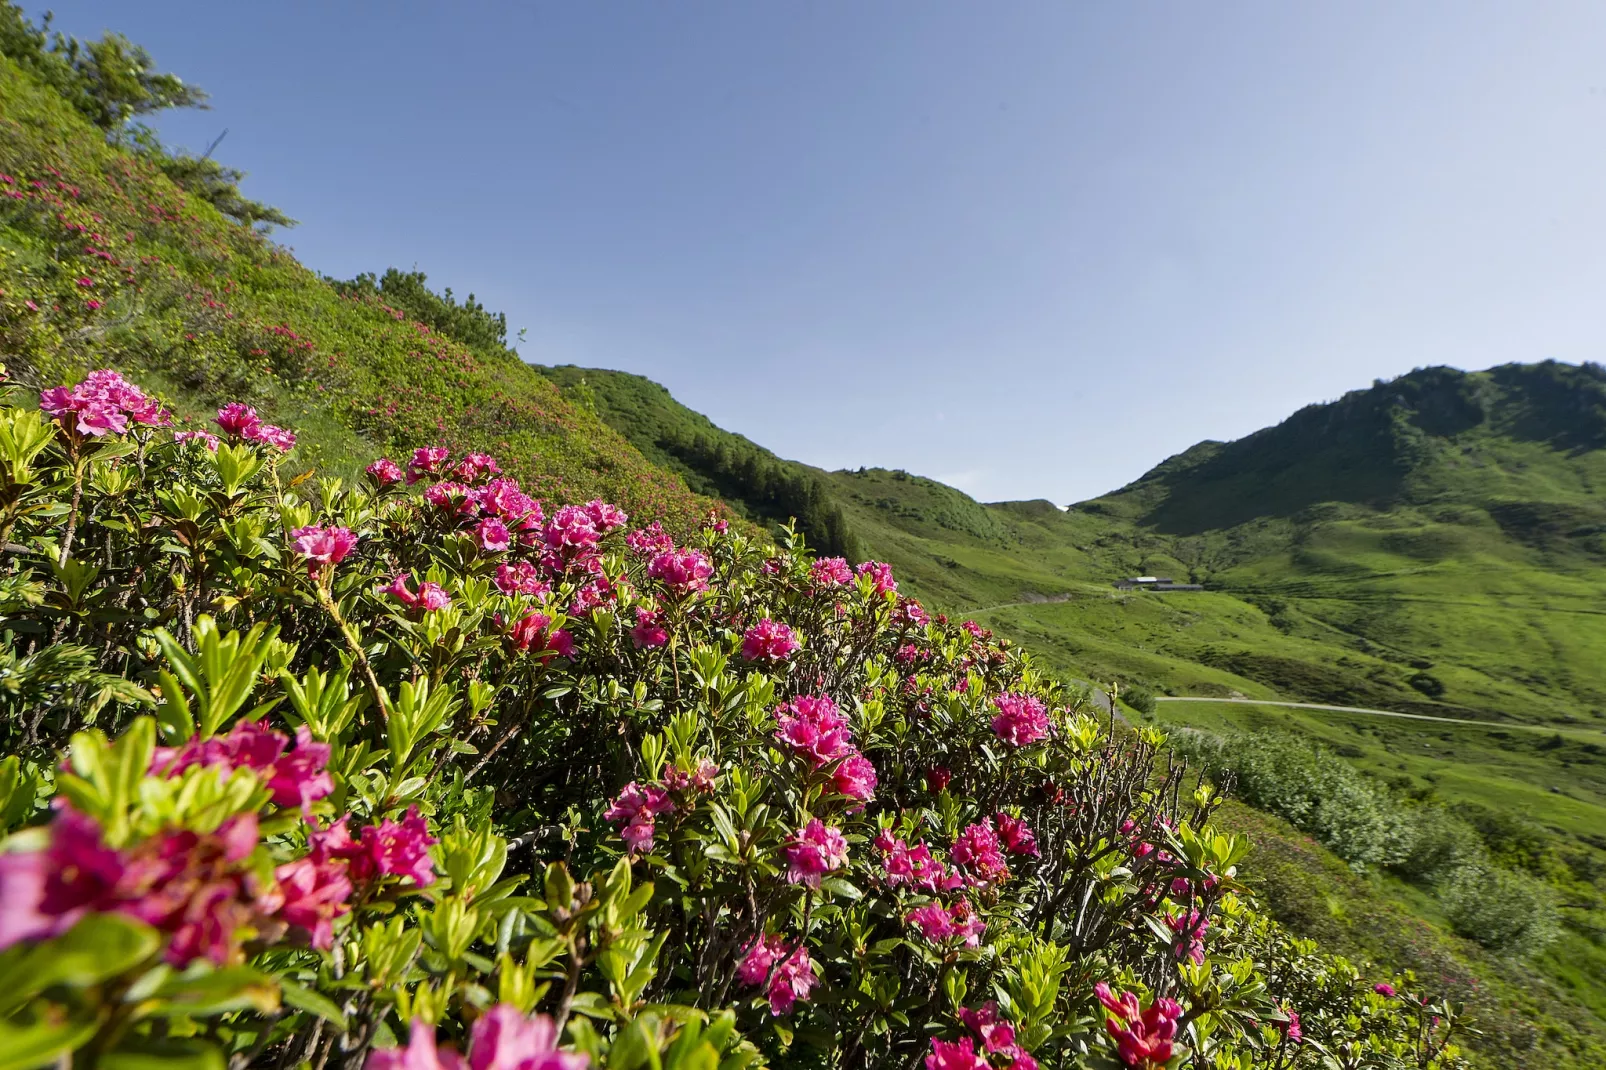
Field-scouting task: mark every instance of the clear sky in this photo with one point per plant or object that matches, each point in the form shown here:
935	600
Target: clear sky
1030	249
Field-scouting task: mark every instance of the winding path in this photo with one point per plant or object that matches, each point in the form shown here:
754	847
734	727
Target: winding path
1552	729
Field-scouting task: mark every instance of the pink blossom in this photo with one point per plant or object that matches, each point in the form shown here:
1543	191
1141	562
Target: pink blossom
938	778
205	438
533	632
571	530
684	572
92	304
419	1054
958	1054
384	472
475	466
102	404
770	640
789	971
1190	929
978	850
880	575
1017	836
520	577
831	572
605	517
502	1038
239	419
315	892
298	778
492	535
996	1034
649	631
636	807
933	921
429	597
1021	720
855	778
814	729
426	461
700	779
393	848
86	283
912	613
1292	1027
1143	1036
816	850
322	546
276	437
1383	988
651	539
502	498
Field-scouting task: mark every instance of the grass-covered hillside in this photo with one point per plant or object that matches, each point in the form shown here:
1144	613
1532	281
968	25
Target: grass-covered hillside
113	253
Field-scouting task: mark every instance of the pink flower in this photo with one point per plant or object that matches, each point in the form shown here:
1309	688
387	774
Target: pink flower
938	778
880	574
92	304
684	572
997	1035
86	283
389	848
701	779
501	1039
1022	719
1017	837
1143	1037
789	971
533	632
102	404
855	778
958	1054
426	461
959	921
1383	988
816	850
1292	1027
475	466
648	632
315	892
492	535
205	438
814	729
504	1039
384	472
636	807
502	498
769	640
420	1054
452	498
520	577
1190	929
298	778
322	546
912	613
571	531
831	572
44	893
238	419
605	517
429	597
977	849
268	435
651	539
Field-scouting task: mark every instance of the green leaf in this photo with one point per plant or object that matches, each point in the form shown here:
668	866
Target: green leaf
312	1002
99	947
40	1043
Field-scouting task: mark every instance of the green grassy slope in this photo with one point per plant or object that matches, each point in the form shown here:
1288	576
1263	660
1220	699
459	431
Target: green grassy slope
104	262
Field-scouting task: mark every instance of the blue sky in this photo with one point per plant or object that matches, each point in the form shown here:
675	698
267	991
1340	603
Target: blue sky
1030	249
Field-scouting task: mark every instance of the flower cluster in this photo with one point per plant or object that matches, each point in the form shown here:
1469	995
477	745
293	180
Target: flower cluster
784	971
1021	719
1144	1036
104	403
501	1039
242	422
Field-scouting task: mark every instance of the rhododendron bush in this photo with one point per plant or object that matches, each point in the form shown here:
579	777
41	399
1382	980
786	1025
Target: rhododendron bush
425	772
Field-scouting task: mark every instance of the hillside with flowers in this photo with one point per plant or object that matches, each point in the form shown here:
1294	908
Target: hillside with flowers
107	260
350	714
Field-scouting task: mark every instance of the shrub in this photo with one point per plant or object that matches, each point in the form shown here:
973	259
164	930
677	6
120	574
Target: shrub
1500	909
425	760
1139	698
